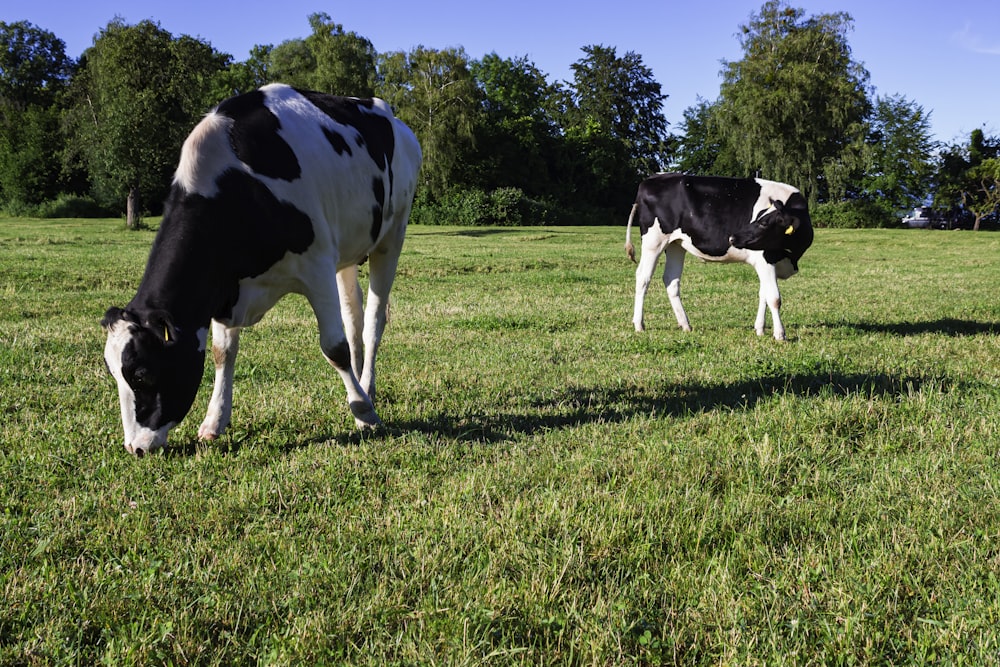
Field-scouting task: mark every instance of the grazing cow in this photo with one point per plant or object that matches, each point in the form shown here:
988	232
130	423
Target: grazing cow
762	223
276	191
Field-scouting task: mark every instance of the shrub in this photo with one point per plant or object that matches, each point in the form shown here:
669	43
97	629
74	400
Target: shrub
474	207
63	206
854	214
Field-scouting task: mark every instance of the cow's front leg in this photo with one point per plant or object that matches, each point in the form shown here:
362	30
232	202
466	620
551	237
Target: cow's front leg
325	302
770	298
225	345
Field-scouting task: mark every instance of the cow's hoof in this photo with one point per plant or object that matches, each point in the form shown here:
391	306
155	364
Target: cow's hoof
207	433
364	416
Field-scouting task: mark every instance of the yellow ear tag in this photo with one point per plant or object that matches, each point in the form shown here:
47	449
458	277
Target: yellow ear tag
166	331
789	231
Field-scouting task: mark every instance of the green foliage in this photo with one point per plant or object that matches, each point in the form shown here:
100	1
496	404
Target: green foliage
796	99
503	207
34	67
345	61
31	146
964	176
139	92
550	488
795	108
34	73
855	214
618	98
434	93
515	134
901	149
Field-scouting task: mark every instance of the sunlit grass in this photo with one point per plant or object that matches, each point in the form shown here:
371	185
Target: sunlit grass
550	487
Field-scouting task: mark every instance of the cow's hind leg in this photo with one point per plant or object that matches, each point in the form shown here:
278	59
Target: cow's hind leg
326	303
352	313
225	346
651	250
382	263
674	260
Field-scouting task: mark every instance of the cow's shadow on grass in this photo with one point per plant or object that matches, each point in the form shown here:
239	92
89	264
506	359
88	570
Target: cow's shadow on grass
579	406
946	327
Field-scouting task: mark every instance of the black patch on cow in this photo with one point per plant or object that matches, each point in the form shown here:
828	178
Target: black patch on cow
337	141
255	139
340	355
205	245
378	188
708	209
375	132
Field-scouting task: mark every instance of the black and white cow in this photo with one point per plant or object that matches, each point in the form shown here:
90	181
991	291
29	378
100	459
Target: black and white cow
762	223
276	191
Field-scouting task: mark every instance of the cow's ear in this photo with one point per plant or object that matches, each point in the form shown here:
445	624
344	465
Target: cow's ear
111	316
777	204
159	322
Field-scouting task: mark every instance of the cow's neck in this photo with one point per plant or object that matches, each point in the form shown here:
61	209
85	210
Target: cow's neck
186	282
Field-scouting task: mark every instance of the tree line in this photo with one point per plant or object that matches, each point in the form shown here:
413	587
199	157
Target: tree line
502	143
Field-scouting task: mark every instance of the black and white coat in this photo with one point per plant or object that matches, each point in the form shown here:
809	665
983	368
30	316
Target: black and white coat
277	191
762	223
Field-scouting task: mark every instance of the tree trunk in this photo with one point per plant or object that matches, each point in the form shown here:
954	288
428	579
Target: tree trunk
975	225
132	219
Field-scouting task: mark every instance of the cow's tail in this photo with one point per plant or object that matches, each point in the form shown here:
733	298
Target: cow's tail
629	248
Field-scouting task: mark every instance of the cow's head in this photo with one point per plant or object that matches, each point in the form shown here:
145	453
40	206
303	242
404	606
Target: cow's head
781	231
158	368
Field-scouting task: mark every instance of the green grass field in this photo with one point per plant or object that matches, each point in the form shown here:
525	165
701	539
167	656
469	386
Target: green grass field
550	486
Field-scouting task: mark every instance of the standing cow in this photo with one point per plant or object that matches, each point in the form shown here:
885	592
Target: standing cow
276	191
762	223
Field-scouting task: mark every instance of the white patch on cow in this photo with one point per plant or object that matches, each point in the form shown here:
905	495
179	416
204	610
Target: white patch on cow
118	337
732	254
770	190
206	153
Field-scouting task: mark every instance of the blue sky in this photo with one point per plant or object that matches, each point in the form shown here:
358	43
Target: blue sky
943	55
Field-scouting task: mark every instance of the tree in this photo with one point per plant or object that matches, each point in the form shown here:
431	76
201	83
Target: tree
34	74
614	131
796	100
248	75
434	93
620	99
900	169
982	198
701	146
139	92
515	134
292	62
345	61
966	177
34	68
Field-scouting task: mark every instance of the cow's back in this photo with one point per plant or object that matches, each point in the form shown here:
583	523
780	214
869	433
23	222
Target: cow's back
345	163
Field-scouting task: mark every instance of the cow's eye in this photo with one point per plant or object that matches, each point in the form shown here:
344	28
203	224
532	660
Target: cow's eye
143	379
